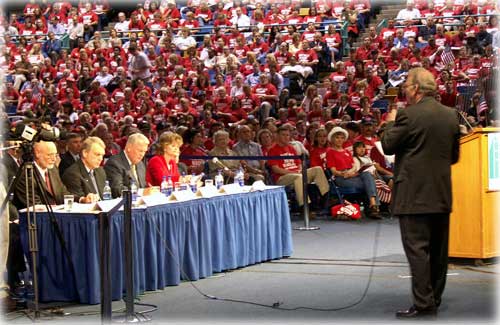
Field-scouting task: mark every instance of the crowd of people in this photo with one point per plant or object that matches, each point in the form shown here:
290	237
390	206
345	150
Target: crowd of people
239	78
140	90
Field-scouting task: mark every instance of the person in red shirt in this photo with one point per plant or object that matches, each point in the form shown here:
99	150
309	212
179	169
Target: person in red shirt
203	14
267	93
289	171
316	113
319	150
250	102
193	139
10	97
367	136
164	163
341	163
449	95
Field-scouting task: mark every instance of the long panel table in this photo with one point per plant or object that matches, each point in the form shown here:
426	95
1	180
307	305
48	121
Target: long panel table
203	236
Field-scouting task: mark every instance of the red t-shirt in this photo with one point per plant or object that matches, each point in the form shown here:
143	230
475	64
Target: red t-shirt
289	164
318	156
340	160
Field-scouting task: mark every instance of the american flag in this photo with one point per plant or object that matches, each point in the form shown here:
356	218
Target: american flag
447	56
482	105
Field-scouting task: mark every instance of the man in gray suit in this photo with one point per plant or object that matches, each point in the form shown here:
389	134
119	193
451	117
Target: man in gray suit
425	139
128	164
85	175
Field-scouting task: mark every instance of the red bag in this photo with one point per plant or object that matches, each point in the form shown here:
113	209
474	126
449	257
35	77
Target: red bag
345	211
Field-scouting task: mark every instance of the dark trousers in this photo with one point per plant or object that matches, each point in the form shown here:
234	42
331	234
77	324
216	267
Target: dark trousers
425	241
15	259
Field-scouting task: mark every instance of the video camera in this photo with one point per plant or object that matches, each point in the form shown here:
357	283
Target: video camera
30	131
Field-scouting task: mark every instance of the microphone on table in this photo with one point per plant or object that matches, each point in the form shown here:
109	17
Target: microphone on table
216	161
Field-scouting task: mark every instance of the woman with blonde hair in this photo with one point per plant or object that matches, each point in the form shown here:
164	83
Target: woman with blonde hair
166	158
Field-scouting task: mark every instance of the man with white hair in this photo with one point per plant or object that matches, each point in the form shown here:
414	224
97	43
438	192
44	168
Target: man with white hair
50	185
122	24
408	13
128	165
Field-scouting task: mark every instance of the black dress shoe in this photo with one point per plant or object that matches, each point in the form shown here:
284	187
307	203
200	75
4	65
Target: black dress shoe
413	313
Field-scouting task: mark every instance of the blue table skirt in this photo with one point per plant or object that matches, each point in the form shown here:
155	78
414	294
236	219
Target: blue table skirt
204	236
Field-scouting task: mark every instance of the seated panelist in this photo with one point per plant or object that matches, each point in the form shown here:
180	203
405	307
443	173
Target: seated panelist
128	165
85	176
45	156
164	163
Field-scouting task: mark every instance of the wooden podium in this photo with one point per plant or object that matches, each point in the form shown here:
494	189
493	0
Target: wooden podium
476	193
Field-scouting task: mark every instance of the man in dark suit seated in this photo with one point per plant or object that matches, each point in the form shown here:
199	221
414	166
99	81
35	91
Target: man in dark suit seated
85	175
128	164
74	146
45	155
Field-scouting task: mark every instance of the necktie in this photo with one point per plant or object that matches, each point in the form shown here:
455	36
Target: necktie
47	182
134	174
94	183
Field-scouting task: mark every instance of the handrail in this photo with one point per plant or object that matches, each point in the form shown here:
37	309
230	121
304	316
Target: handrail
448	17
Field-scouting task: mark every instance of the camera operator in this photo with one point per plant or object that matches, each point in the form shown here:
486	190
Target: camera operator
45	155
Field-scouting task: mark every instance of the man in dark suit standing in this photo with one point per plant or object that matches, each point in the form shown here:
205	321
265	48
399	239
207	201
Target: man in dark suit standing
425	139
85	175
128	164
45	155
74	146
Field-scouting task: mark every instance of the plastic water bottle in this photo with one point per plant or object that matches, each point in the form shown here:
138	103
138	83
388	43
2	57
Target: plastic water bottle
239	178
133	191
106	191
170	186
192	183
164	186
182	180
219	179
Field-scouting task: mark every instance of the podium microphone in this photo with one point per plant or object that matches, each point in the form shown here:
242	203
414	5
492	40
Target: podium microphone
216	161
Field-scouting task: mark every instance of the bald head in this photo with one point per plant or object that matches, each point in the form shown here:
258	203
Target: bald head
45	153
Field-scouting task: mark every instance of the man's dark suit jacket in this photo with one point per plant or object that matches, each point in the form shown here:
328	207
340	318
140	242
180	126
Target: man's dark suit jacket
349	110
66	161
425	139
77	179
57	186
118	173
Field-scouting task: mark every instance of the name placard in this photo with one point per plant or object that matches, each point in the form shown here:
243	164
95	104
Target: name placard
207	191
107	205
184	195
231	189
155	199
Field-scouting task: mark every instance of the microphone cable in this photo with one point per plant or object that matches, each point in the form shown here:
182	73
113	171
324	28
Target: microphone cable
278	305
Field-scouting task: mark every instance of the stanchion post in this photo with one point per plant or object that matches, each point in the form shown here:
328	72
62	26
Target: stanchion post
305	196
105	266
129	261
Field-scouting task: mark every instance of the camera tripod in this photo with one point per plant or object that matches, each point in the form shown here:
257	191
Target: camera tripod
33	181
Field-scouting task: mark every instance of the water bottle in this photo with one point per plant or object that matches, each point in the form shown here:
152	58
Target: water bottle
219	179
170	186
133	191
182	180
164	186
239	178
192	183
106	191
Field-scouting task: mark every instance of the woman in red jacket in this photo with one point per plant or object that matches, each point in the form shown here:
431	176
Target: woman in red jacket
164	163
